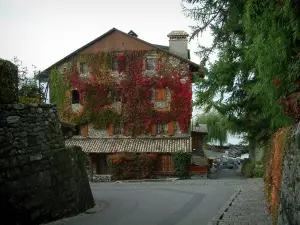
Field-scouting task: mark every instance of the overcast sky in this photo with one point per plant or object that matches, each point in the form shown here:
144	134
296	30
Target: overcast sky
41	32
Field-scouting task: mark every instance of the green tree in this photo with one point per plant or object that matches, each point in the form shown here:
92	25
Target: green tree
30	88
230	78
240	83
217	126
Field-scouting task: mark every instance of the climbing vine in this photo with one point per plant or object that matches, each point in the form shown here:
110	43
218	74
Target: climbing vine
124	95
274	167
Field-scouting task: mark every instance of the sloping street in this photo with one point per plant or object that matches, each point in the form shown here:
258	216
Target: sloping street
182	202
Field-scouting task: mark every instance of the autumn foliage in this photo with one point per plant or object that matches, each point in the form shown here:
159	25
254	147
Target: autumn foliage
133	88
126	166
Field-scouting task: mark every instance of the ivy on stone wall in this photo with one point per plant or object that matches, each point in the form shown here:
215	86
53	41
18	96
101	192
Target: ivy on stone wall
99	87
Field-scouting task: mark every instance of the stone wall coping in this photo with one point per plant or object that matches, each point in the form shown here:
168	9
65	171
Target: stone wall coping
24	106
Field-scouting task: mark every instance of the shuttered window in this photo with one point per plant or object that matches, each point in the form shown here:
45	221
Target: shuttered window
160	94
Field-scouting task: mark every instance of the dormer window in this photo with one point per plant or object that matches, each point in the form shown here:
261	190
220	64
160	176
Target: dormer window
83	68
150	63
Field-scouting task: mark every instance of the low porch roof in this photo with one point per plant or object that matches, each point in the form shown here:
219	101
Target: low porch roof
140	145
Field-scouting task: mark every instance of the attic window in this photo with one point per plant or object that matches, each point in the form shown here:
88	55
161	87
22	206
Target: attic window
150	63
114	63
83	68
75	97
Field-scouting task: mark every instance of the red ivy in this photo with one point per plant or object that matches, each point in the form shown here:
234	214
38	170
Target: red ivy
135	92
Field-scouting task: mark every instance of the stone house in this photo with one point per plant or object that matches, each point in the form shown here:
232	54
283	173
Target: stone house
153	118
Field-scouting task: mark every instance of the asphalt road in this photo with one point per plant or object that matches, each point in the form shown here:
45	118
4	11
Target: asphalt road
154	204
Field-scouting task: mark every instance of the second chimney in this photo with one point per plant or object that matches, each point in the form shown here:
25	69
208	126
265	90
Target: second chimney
178	43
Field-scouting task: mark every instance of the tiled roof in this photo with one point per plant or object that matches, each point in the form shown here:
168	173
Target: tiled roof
201	128
110	145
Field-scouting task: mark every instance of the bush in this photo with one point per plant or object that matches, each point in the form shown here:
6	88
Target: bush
258	170
247	168
126	166
25	100
252	169
181	161
8	82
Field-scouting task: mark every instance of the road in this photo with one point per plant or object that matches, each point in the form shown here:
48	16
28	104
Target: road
175	203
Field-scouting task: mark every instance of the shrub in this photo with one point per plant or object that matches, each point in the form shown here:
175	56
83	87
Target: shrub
181	161
258	170
25	100
126	166
8	82
247	168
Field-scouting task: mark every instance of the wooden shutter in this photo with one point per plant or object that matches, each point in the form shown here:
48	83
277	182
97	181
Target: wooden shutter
126	129
110	129
153	130
163	94
160	94
84	130
156	61
144	64
171	128
157	94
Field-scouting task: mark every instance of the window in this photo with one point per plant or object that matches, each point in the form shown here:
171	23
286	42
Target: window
75	96
117	128
65	69
159	128
83	68
150	63
114	64
115	96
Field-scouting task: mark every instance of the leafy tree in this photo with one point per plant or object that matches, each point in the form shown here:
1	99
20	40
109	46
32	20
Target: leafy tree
242	83
217	126
30	88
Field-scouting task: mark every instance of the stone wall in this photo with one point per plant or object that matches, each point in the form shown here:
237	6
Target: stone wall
40	179
290	194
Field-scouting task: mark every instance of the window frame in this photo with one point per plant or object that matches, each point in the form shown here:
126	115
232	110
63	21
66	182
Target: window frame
82	67
77	95
159	128
114	63
146	63
117	128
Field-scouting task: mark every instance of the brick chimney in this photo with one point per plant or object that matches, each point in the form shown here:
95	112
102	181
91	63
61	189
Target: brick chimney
178	43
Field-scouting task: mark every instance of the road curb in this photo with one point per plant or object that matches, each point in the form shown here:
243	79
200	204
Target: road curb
147	180
224	208
99	206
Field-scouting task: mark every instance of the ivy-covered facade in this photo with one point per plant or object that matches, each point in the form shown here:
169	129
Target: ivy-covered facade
130	93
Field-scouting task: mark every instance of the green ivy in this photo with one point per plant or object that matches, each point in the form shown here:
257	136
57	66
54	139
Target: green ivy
101	121
181	161
58	88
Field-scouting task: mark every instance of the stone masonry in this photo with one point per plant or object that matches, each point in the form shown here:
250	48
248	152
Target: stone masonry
290	188
40	180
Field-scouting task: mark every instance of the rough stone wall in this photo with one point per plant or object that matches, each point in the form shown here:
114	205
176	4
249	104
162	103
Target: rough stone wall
40	180
290	193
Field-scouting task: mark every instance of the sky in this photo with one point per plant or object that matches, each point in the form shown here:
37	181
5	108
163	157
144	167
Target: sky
41	32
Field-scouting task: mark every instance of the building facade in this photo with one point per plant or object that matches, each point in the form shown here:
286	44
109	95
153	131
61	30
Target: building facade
126	95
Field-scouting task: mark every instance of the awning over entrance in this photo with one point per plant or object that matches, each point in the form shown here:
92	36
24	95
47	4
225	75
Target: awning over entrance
113	145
